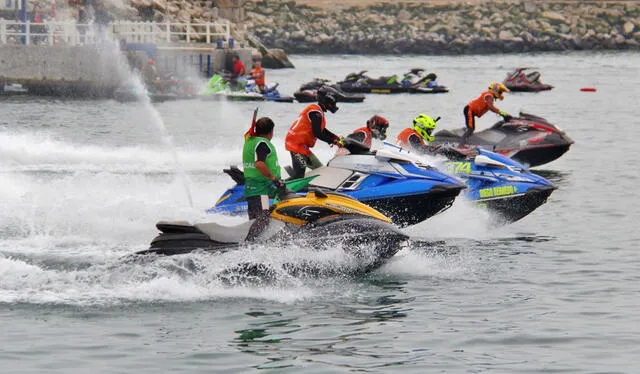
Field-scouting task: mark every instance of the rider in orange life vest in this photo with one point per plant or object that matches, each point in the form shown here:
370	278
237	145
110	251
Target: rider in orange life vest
310	126
413	138
481	105
376	129
257	74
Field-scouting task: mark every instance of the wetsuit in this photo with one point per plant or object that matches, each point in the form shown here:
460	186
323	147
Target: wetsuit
302	136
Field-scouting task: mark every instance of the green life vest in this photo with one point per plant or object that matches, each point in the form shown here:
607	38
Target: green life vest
254	182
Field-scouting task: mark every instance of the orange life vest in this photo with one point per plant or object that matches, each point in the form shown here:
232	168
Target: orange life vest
258	76
403	138
368	140
300	136
478	106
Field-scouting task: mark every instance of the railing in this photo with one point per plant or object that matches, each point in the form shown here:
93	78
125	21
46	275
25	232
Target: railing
72	33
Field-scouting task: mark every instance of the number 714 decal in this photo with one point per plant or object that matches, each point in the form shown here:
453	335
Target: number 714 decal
458	167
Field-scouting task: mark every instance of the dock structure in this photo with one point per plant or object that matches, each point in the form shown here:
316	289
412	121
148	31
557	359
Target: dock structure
90	60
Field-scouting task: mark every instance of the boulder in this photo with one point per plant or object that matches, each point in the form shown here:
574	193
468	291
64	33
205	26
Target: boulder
628	27
553	17
506	36
530	7
403	15
276	59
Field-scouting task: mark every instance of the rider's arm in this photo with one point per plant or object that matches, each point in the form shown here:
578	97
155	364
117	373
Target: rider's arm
490	100
320	133
262	151
417	144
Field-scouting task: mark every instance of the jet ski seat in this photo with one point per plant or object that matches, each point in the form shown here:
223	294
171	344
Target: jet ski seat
533	76
225	234
383	81
450	133
236	174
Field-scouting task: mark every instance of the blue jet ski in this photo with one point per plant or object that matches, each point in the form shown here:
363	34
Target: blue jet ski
395	183
270	93
504	186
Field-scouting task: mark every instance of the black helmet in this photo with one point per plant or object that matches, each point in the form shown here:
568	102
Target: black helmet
327	98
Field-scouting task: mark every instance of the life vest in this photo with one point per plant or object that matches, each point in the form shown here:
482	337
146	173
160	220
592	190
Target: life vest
403	138
300	137
258	76
368	139
478	106
254	182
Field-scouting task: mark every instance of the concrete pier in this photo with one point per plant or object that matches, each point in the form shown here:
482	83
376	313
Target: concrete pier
97	70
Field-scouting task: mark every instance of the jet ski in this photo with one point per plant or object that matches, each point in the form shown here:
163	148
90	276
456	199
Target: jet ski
270	93
528	139
505	187
521	81
307	93
406	190
413	81
317	220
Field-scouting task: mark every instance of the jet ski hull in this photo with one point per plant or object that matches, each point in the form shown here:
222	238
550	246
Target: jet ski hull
529	87
537	156
513	208
502	185
362	88
412	209
404	210
311	97
369	240
530	140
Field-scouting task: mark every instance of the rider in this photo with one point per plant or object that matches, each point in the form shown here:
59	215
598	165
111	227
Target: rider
413	138
258	75
151	77
261	168
481	105
376	129
238	70
310	126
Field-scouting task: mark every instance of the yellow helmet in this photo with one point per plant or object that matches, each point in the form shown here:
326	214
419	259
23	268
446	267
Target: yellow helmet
424	126
497	89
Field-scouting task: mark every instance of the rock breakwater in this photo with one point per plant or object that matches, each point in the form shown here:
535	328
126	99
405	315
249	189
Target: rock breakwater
456	28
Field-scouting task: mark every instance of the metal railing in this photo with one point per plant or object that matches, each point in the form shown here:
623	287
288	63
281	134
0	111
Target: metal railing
72	33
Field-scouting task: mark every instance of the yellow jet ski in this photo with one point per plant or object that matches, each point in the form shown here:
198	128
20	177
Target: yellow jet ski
317	220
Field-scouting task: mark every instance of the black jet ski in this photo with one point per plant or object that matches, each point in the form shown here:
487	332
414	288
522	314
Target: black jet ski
307	93
521	80
528	139
316	220
414	81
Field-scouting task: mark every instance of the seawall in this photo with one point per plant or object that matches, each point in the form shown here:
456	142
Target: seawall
446	27
96	71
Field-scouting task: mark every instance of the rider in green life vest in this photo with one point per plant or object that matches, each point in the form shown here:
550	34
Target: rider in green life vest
261	168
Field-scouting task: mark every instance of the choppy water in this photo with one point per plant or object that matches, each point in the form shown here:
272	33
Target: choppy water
83	182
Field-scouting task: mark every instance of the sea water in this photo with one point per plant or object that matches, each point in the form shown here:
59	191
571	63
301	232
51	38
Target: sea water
82	184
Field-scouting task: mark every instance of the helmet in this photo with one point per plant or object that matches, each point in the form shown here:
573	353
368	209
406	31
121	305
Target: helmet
327	98
424	126
378	126
151	61
497	89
